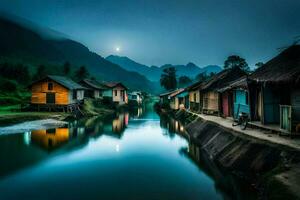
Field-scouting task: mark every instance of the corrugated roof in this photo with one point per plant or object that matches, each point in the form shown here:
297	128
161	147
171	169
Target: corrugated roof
114	84
239	83
176	92
64	81
94	84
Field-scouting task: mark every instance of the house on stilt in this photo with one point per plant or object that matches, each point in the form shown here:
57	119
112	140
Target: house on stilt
56	93
275	92
195	103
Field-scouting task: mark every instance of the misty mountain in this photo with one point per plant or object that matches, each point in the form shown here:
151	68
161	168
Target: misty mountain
153	73
19	43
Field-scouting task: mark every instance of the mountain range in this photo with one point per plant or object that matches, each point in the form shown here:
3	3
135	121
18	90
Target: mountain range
153	73
23	44
26	43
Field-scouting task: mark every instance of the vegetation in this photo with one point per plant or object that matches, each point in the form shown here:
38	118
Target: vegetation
168	78
184	81
81	73
259	64
236	61
204	77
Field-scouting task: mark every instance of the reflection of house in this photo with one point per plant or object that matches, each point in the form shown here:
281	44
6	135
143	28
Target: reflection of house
209	90
94	88
116	92
56	91
135	98
120	123
50	138
275	90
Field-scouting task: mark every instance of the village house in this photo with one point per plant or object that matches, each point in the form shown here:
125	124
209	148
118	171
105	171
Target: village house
194	97
275	91
94	88
209	90
164	97
235	98
116	92
56	93
179	99
135	98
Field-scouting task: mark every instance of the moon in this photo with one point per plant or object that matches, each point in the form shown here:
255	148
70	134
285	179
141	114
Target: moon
118	49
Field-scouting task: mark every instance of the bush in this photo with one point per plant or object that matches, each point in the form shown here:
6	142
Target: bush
9	101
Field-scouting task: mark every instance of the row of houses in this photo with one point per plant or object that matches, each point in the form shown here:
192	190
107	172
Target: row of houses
270	96
60	91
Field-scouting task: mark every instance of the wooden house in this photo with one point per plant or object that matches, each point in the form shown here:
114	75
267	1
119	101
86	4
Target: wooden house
235	98
116	92
275	91
195	103
179	99
54	92
209	90
94	88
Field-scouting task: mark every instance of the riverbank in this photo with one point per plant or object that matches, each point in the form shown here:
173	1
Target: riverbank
272	168
90	108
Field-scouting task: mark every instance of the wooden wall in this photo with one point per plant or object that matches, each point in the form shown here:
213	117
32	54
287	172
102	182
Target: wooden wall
211	101
40	89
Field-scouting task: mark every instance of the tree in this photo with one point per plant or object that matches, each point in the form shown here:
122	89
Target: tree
184	81
259	64
23	75
67	68
40	72
168	78
236	61
81	73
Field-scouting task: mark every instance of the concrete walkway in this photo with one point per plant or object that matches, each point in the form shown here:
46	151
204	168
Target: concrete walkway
255	133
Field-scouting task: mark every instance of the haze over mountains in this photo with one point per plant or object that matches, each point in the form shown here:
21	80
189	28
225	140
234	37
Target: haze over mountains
153	73
26	43
22	44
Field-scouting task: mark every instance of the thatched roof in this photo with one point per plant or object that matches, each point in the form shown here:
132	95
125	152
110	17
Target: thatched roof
284	68
222	79
239	83
194	86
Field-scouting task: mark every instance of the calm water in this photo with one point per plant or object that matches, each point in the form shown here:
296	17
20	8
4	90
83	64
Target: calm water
136	155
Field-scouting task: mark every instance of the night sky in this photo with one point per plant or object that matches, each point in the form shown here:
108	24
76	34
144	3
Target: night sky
157	32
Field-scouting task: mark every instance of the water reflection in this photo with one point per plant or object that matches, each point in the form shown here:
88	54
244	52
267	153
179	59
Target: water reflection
172	126
133	149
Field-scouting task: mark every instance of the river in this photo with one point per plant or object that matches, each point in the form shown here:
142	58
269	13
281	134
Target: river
135	155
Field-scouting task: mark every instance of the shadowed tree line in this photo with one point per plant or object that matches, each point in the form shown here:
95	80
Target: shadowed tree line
14	75
169	80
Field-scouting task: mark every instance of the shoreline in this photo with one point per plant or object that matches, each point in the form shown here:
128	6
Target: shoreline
271	168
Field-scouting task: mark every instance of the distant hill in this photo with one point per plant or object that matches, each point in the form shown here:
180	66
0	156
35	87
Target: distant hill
153	73
19	43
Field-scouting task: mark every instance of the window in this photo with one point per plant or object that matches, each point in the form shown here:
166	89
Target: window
195	97
50	86
116	92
